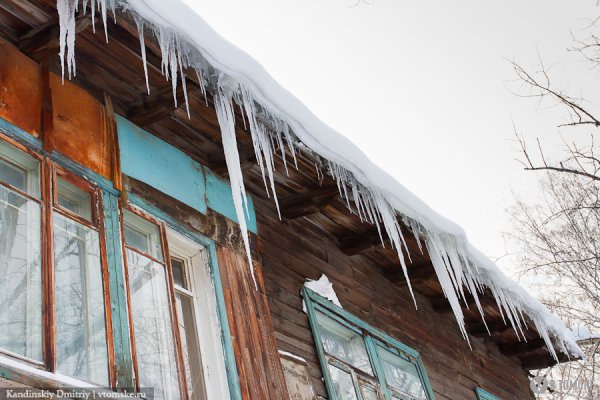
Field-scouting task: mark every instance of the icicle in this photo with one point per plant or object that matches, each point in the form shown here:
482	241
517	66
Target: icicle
183	83
185	94
173	64
93	11
104	17
388	217
288	138
140	26
66	17
282	150
200	76
226	119
262	144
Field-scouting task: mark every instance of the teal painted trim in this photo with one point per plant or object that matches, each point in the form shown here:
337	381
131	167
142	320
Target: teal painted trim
162	166
84	172
316	331
35	144
345	315
220	199
166	168
229	355
20	135
374	356
417	361
118	295
483	394
314	302
425	378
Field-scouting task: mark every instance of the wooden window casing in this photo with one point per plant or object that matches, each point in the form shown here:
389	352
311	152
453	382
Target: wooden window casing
49	173
483	394
166	264
374	340
46	320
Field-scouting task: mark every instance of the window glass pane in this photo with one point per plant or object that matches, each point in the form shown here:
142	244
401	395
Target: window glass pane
74	199
178	267
342	384
80	321
369	393
344	343
190	347
142	234
19	169
155	348
20	275
401	374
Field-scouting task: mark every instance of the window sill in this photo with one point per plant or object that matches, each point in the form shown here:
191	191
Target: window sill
20	372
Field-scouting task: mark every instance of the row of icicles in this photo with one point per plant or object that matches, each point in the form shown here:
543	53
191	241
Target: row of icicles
270	133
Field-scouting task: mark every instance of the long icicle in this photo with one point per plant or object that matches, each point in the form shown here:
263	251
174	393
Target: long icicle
225	115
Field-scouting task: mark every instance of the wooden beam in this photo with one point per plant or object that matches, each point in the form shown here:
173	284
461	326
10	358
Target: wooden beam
47	112
305	203
43	41
356	243
520	348
542	359
537	361
112	131
247	155
478	328
416	273
442	305
159	105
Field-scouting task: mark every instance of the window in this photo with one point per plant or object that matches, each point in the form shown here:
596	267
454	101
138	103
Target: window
199	324
55	305
20	254
166	312
81	340
360	362
483	394
44	210
185	261
150	302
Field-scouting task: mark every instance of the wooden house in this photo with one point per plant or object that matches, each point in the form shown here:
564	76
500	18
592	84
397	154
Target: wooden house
124	257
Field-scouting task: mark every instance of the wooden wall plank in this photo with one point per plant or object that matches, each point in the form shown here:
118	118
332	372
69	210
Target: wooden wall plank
20	89
290	253
254	342
80	130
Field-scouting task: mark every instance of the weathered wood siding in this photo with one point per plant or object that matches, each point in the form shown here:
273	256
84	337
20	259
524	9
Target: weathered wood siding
259	369
20	89
290	253
77	124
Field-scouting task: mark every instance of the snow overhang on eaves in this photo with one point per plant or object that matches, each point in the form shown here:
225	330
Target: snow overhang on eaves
276	116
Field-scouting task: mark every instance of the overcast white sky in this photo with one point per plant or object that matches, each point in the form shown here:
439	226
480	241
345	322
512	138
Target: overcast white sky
421	86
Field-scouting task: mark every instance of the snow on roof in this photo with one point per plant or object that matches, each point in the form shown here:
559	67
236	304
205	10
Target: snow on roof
277	117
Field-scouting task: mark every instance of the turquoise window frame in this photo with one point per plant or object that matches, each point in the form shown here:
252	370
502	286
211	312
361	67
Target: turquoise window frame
483	394
373	338
120	320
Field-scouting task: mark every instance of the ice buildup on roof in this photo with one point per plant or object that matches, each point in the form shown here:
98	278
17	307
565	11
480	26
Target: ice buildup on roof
277	117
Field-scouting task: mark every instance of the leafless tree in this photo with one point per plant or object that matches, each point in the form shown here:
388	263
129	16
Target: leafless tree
558	237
